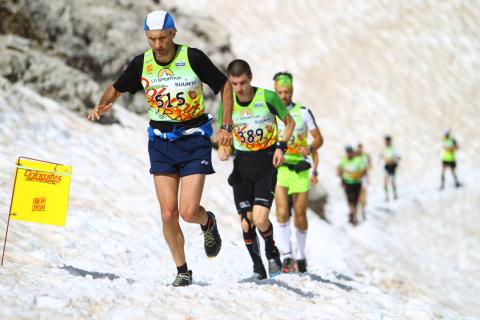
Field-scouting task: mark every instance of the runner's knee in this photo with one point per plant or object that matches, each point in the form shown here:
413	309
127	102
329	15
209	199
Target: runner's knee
300	221
169	216
189	213
282	215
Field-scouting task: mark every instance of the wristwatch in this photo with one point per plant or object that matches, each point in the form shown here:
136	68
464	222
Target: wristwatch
227	127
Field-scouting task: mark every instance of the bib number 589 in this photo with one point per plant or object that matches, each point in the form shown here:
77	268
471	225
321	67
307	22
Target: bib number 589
250	135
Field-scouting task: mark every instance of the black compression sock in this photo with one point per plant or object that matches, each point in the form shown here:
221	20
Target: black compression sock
251	242
267	235
182	269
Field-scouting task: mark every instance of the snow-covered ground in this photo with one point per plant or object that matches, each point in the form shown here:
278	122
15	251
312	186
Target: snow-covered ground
412	259
366	68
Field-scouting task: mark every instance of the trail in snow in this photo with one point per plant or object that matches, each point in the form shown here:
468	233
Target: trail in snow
412	259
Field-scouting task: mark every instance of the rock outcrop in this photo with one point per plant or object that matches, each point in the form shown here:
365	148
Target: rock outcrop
71	50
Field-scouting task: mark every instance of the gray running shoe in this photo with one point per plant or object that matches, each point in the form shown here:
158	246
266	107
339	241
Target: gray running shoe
288	265
183	279
211	238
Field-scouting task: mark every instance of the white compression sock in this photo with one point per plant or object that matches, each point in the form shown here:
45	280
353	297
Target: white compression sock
283	235
301	236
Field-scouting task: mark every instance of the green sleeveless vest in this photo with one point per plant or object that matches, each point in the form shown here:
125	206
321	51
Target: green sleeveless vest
174	92
351	170
254	126
299	136
448	151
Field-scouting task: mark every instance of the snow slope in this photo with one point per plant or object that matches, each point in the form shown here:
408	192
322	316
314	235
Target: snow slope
365	68
111	260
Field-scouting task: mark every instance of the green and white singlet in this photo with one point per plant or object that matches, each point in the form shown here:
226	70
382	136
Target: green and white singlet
174	92
352	170
448	149
304	122
255	125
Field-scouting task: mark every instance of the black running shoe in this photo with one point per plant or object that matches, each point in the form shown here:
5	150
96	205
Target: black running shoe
352	219
259	271
274	263
211	238
183	279
288	265
302	265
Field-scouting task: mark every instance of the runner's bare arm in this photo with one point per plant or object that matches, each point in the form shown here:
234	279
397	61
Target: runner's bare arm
314	176
289	126
316	143
106	102
224	138
278	157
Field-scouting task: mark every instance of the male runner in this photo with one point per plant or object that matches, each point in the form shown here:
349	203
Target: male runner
179	146
293	177
450	146
259	151
367	162
391	158
351	170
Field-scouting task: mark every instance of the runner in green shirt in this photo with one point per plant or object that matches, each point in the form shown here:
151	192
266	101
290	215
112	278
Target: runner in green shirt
391	158
258	152
351	170
450	146
293	177
367	162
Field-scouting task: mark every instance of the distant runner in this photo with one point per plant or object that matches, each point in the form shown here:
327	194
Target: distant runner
450	146
367	162
391	158
351	170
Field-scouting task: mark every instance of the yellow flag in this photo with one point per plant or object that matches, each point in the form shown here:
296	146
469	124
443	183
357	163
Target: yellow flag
41	192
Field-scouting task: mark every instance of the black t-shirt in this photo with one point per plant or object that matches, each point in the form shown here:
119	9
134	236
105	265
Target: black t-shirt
207	72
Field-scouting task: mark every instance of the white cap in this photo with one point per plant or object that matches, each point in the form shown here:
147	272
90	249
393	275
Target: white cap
159	20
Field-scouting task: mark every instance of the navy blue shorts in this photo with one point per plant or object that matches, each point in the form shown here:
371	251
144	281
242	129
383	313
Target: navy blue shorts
185	156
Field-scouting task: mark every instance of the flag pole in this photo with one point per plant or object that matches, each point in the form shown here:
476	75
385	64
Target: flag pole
10	211
6	234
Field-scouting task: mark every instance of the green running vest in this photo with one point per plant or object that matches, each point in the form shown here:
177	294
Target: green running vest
352	170
448	150
389	155
174	92
254	126
299	136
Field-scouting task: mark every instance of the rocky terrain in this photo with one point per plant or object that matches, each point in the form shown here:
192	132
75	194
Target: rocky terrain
71	50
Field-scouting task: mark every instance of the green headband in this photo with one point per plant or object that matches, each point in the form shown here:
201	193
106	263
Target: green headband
284	80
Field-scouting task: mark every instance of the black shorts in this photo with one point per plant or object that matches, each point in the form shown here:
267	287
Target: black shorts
391	168
451	164
353	192
253	180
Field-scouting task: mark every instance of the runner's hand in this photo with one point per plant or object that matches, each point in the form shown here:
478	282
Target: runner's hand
313	180
305	151
278	158
223	138
98	110
223	153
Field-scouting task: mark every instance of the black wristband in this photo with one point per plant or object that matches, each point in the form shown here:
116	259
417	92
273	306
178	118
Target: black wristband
227	127
315	173
282	145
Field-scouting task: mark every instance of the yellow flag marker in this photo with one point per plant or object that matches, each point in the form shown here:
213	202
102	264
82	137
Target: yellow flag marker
40	193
